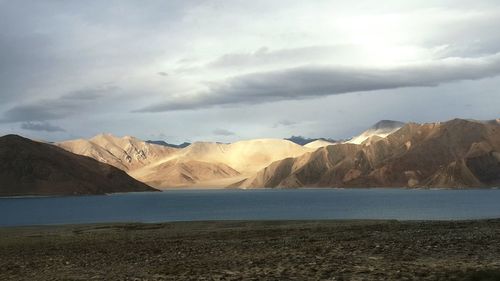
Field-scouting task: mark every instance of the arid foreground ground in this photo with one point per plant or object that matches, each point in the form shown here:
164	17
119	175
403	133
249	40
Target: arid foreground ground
322	250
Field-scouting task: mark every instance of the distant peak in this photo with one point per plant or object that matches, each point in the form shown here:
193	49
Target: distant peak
300	140
164	143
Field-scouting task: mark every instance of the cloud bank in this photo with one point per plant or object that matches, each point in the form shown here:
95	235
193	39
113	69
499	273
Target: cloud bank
316	81
87	65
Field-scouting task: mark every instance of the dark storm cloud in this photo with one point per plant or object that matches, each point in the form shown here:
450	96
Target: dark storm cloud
315	81
45	110
56	108
41	126
223	132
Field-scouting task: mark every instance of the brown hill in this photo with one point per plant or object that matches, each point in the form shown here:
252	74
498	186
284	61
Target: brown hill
33	168
457	153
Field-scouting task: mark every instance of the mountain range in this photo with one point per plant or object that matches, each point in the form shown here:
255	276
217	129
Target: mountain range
458	153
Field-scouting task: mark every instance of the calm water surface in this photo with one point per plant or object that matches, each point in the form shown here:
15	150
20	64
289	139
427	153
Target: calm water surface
191	205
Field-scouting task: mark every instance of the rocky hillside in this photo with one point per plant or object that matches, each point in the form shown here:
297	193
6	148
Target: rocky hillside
457	153
126	153
34	168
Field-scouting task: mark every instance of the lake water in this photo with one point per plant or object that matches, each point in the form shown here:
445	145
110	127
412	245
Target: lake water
299	204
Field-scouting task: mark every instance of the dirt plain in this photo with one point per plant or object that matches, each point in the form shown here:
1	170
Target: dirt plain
261	250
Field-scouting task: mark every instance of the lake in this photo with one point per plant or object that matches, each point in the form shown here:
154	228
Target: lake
269	204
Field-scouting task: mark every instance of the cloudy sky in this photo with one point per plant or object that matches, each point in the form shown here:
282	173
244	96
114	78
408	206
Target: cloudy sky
227	70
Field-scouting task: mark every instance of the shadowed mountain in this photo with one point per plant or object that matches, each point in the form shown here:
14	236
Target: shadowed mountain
457	153
33	168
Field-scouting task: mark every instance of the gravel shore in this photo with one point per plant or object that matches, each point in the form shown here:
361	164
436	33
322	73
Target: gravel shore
263	250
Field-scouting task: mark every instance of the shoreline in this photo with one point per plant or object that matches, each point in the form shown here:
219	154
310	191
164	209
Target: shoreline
254	250
243	221
247	189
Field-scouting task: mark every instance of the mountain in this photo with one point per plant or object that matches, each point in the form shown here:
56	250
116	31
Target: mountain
457	153
216	164
381	129
34	168
303	141
126	153
164	143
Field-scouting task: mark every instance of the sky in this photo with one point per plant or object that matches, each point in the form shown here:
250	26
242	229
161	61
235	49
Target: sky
192	70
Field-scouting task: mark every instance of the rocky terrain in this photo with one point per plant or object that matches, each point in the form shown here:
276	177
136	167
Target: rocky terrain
33	168
458	153
314	250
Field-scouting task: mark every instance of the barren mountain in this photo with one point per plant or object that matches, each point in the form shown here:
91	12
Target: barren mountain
457	153
244	156
126	153
34	168
206	163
